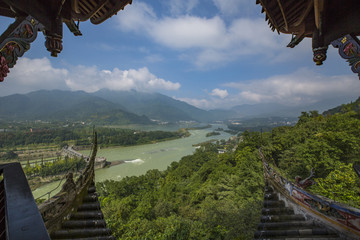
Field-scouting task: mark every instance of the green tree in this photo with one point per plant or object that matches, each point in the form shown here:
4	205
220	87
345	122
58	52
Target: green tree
341	184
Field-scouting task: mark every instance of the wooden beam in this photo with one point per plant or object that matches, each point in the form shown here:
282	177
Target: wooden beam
318	9
91	12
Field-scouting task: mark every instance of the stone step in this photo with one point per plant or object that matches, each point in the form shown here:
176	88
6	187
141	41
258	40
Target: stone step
91	189
271	196
89	206
296	233
277	211
280	222
76	233
285	225
282	218
273	203
269	189
87	215
90	198
84	224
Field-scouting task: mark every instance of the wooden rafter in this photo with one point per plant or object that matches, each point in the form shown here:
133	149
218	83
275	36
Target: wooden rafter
283	15
305	13
91	11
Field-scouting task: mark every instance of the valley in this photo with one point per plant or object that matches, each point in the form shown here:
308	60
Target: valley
139	159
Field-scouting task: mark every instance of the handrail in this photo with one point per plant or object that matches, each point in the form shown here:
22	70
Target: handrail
60	206
340	217
48	193
23	220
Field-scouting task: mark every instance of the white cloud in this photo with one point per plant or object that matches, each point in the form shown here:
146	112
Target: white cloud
180	6
205	40
190	32
219	93
34	74
91	79
301	87
139	16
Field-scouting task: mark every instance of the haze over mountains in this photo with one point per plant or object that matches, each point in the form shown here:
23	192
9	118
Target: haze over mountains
124	107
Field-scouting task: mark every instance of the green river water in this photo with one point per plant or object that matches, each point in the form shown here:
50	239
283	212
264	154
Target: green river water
139	159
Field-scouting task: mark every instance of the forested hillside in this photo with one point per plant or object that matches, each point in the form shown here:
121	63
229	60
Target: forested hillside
353	106
219	196
59	105
204	196
328	143
156	106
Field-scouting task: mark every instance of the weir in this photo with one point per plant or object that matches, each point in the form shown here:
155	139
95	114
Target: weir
100	162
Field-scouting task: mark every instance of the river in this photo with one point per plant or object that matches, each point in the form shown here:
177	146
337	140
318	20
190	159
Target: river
139	159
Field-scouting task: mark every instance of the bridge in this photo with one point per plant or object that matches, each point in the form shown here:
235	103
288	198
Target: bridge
100	162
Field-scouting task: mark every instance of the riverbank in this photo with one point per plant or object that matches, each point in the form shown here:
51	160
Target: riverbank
183	133
37	182
107	138
137	160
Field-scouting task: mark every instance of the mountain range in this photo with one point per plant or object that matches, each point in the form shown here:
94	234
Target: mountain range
155	106
124	107
63	106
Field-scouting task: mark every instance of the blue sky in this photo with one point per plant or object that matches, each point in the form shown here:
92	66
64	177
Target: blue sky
209	53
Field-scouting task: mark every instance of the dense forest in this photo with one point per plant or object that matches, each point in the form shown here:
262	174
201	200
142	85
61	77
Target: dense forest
126	137
203	196
329	143
219	196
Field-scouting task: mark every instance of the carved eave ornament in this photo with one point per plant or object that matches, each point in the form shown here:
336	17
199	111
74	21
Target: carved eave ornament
325	21
47	16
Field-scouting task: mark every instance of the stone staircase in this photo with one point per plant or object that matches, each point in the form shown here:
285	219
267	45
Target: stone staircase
87	223
280	222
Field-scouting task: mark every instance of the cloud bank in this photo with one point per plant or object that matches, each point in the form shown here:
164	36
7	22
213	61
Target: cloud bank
204	40
300	88
91	79
34	74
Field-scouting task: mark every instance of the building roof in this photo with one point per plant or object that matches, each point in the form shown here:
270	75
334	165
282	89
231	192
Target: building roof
325	21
